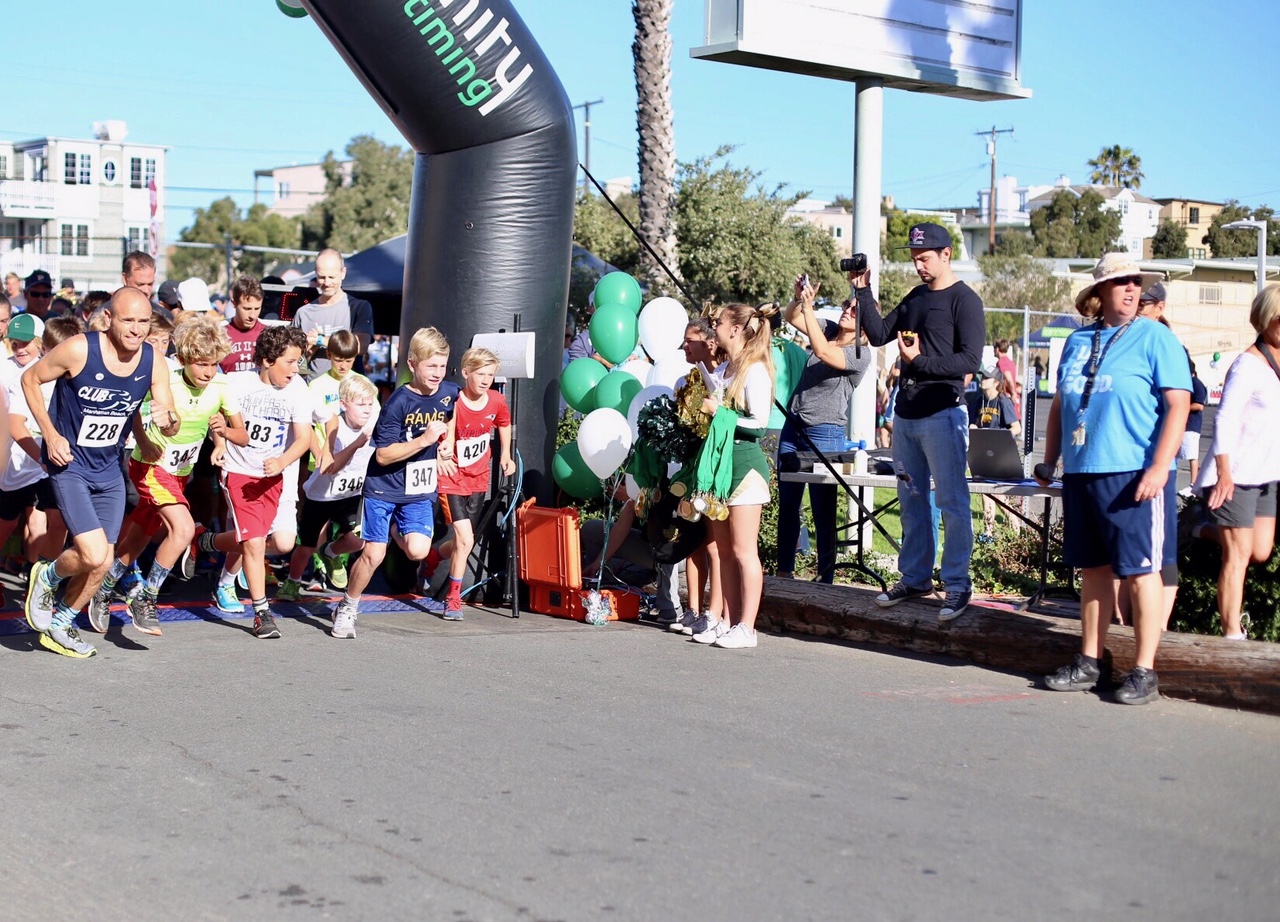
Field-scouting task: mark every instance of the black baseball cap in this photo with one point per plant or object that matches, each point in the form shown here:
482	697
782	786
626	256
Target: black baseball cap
168	293
927	236
39	277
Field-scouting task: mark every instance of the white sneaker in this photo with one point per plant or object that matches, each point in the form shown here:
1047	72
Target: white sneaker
736	638
344	621
715	630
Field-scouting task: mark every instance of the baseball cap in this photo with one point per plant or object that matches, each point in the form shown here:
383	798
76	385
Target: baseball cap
927	236
991	370
1154	293
194	295
168	293
26	327
39	277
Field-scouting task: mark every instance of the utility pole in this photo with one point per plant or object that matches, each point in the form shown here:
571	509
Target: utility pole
991	202
586	130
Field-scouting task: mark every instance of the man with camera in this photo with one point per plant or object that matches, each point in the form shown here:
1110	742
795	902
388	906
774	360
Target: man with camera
940	330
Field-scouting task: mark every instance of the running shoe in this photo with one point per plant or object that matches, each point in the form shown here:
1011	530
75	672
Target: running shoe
1139	687
142	608
736	638
39	606
68	642
712	632
290	591
453	608
1078	675
100	611
684	624
264	625
187	562
336	567
226	600
344	620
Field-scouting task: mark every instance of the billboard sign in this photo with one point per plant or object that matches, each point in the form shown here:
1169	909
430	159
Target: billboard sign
961	48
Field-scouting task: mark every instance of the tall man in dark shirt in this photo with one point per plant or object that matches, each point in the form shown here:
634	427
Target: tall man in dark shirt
940	330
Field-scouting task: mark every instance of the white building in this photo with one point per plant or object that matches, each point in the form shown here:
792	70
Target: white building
835	221
75	206
1139	215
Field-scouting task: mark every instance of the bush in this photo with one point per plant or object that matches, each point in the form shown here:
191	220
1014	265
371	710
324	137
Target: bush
1010	565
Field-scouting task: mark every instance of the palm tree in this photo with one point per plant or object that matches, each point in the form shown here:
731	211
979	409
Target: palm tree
657	151
1116	166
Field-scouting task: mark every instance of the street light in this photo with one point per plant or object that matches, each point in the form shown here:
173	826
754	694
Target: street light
1261	227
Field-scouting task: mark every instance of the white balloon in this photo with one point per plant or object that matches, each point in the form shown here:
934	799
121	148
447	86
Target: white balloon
637	368
661	326
669	369
604	439
652	392
633	487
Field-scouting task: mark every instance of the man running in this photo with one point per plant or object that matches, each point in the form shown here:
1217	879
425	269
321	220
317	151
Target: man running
101	379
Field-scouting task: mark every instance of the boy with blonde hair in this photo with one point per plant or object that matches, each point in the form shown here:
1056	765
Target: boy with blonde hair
401	481
465	484
160	467
333	492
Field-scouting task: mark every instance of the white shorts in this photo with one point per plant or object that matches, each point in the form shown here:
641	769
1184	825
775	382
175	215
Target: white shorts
1190	449
286	520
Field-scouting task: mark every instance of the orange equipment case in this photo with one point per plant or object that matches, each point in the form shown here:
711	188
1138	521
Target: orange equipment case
550	551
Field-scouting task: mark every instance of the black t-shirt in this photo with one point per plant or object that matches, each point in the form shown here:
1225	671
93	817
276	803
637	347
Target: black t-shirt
951	329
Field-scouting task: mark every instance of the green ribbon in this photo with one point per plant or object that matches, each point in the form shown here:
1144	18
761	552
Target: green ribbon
713	469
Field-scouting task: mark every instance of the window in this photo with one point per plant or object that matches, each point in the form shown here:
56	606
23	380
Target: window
1198	253
1193	215
86	170
135	172
4	166
109	172
1210	294
282	190
69	169
75	240
150	173
137	239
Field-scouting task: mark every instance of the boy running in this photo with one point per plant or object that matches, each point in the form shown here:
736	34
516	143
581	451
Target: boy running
101	379
401	481
160	467
479	411
276	405
333	493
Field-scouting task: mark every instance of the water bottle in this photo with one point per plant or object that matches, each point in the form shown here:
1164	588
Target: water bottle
860	459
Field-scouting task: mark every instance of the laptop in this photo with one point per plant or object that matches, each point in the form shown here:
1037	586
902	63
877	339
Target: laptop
993	455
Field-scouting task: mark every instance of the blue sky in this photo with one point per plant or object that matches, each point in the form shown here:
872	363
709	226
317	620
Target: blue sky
233	86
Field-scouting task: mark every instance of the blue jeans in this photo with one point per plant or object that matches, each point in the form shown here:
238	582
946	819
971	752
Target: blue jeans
829	438
936	447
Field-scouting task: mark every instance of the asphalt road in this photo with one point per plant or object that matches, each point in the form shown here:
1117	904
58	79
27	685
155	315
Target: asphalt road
540	769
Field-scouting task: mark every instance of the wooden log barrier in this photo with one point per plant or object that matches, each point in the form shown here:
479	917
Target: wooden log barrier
1191	666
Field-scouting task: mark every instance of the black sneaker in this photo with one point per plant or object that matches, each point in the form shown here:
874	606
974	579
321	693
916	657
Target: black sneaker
900	592
264	625
1079	676
1139	687
955	605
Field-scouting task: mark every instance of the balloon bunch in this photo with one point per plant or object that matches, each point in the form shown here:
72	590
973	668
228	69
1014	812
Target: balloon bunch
643	344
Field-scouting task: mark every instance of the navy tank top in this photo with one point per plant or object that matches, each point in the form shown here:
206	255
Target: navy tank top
94	410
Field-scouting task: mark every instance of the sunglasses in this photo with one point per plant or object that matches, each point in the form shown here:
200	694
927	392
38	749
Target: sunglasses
39	294
1135	280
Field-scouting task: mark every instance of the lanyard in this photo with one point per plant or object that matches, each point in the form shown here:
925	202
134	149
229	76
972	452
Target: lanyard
1266	353
1096	358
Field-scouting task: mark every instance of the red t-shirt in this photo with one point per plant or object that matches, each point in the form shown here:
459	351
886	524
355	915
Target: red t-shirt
473	436
240	358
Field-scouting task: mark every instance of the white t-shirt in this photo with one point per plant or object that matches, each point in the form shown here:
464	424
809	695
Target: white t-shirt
324	391
20	469
349	480
269	415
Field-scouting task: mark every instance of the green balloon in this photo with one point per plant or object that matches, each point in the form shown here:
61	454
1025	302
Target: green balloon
572	474
616	391
613	332
619	288
578	380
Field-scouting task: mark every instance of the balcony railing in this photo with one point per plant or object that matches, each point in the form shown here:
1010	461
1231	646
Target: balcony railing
23	198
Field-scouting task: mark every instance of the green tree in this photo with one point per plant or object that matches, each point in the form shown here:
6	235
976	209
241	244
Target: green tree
1071	226
256	227
1014	282
597	227
896	282
899	229
736	241
1225	244
1170	240
1116	166
366	201
843	201
1015	243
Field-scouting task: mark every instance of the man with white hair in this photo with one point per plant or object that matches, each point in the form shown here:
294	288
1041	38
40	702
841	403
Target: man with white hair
332	311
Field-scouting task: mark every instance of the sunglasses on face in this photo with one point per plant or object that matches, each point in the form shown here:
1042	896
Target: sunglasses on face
39	294
1134	280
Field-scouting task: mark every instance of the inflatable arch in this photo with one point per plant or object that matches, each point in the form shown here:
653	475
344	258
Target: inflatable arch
491	216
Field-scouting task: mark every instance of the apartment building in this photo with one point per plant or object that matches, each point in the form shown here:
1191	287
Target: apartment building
75	206
1195	216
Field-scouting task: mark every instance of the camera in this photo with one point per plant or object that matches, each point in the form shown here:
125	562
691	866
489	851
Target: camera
857	264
